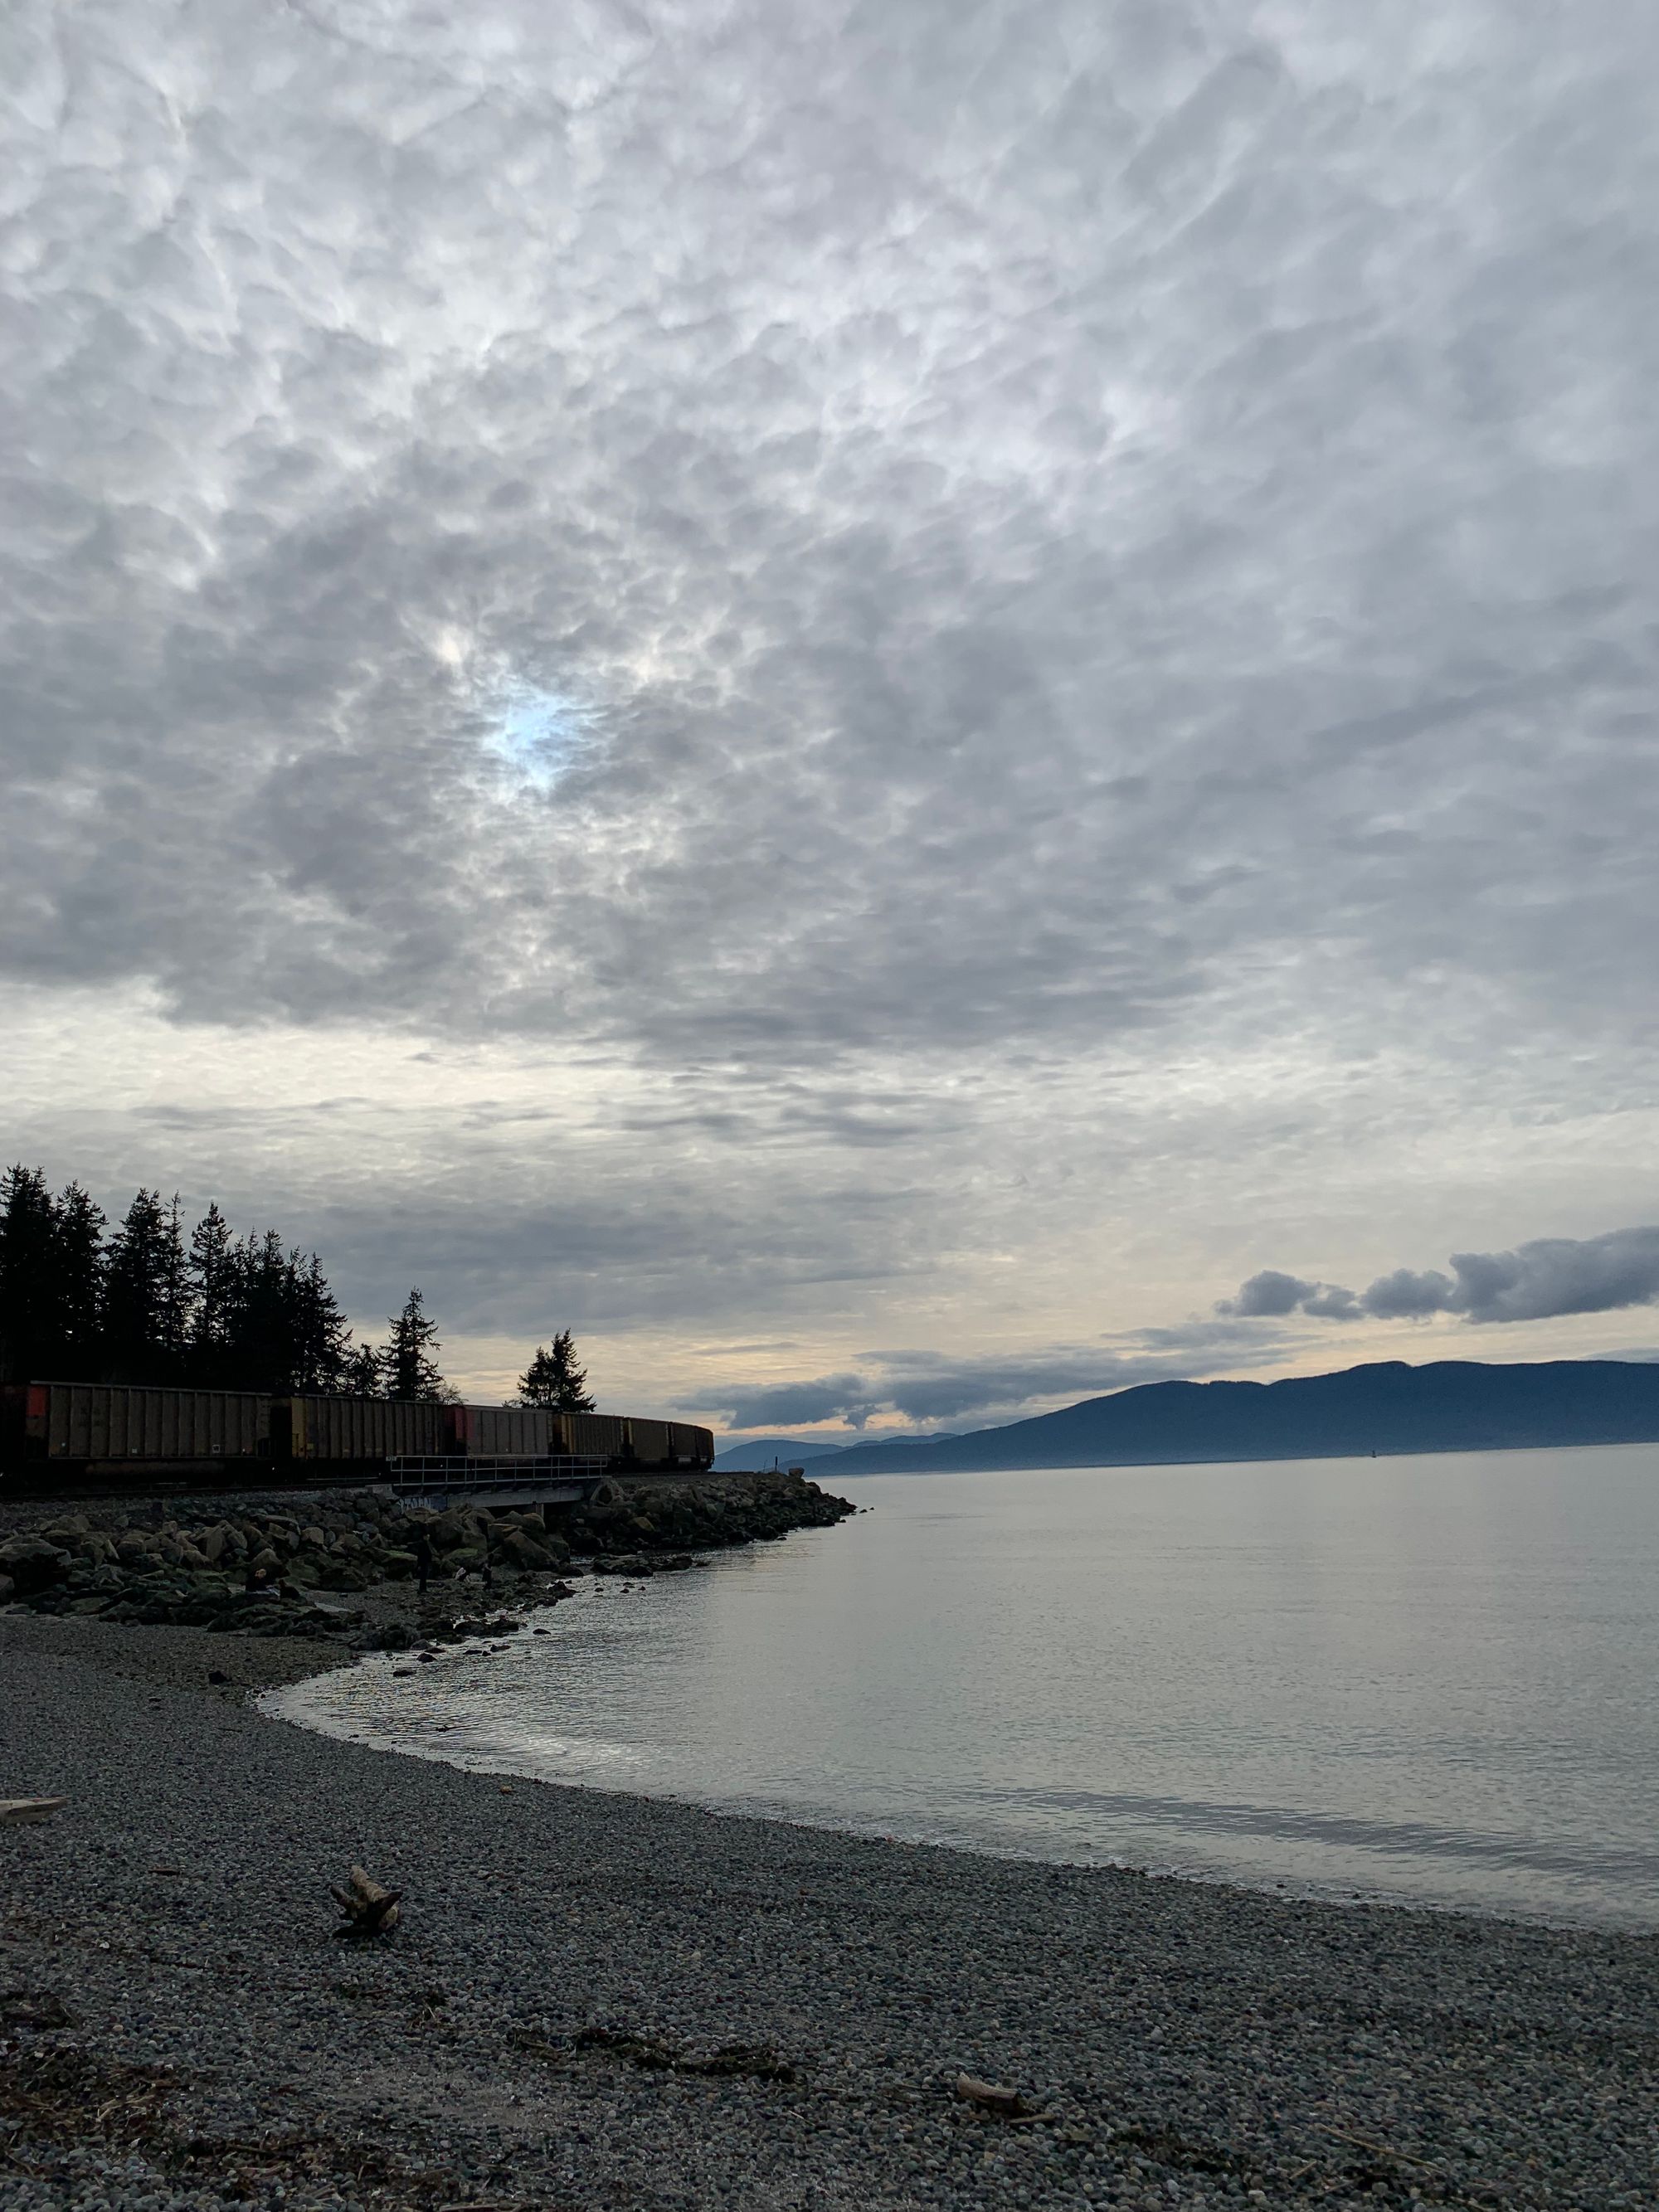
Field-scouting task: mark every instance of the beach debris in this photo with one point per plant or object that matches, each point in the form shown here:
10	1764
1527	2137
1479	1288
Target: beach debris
32	2008
368	1908
1384	2150
757	2060
15	1809
993	2097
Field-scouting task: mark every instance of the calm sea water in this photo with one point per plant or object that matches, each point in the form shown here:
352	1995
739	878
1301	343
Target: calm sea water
1435	1679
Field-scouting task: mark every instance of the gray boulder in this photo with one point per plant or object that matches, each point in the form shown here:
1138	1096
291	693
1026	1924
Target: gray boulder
32	1564
341	1575
520	1548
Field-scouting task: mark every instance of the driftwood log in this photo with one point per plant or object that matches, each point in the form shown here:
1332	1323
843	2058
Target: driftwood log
13	1809
992	2097
368	1908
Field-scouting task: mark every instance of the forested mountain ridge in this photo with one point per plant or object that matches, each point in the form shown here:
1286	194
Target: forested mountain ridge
1451	1405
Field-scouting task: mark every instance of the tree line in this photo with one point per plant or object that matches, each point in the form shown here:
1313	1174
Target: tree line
144	1303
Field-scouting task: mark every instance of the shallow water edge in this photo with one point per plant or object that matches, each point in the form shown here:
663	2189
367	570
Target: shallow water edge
1321	1700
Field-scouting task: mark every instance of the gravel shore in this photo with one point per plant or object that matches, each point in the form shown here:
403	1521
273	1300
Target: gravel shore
598	2001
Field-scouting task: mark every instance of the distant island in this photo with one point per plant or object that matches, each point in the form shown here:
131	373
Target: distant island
761	1452
1387	1407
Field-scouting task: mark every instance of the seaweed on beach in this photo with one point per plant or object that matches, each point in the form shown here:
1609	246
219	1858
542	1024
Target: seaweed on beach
56	2097
758	2061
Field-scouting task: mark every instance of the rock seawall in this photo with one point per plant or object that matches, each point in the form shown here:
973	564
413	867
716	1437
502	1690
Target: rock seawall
291	1563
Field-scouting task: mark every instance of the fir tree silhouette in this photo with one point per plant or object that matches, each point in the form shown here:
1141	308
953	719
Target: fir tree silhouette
409	1365
553	1378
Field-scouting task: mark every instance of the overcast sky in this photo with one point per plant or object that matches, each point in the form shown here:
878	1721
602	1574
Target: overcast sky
893	704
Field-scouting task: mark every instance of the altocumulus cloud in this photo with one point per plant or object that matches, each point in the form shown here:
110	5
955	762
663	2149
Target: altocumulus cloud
1010	494
1548	1277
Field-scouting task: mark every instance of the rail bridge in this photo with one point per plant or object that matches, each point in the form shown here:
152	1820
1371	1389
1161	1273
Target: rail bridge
437	1483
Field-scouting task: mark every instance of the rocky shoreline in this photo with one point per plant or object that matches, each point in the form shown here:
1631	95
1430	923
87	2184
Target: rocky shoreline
598	2001
343	1564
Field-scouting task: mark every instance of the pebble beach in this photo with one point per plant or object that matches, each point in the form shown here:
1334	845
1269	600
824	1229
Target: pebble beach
598	2001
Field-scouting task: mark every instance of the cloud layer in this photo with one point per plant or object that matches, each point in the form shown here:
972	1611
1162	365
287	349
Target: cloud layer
871	677
1537	1281
1111	499
928	1389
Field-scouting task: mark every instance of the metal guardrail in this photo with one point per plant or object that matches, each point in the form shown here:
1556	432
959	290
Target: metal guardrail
439	1480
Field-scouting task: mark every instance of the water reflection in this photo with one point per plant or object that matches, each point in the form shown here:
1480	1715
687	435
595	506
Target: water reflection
1424	1678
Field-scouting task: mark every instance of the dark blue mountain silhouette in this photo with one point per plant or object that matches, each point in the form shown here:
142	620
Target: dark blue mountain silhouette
1452	1405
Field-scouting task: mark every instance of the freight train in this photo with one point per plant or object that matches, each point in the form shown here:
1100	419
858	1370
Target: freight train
64	1435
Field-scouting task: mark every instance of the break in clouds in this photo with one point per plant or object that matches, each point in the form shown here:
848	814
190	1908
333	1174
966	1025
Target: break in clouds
1551	1275
1018	633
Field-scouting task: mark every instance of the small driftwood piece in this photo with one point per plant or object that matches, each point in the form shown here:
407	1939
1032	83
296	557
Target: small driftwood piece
368	1908
13	1809
992	2097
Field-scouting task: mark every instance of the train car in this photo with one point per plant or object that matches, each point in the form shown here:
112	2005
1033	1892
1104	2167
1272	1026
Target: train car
358	1430
669	1444
536	1432
116	1426
689	1446
60	1436
502	1432
645	1443
592	1436
646	1446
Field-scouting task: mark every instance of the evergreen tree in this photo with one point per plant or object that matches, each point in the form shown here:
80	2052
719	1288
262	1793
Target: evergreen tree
320	1334
78	1229
553	1379
362	1372
261	1349
139	1286
141	1306
213	1287
264	1317
29	1317
409	1365
172	1317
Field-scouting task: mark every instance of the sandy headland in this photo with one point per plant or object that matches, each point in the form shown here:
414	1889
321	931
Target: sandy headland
595	2000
